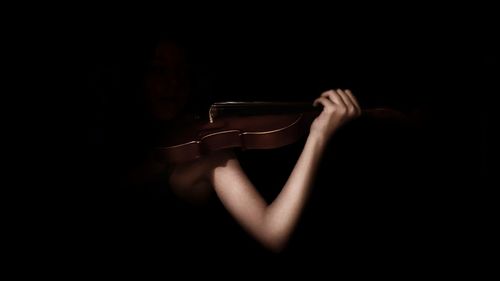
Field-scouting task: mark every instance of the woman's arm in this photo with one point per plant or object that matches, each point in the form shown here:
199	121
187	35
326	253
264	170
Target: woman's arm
273	224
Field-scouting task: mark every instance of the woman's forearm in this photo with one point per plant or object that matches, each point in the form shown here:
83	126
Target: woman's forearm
282	215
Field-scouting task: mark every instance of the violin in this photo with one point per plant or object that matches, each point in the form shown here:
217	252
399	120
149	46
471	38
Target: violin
247	125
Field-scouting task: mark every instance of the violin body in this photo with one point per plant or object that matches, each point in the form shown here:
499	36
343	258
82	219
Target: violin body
244	125
252	132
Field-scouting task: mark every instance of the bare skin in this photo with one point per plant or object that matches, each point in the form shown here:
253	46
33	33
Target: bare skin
270	224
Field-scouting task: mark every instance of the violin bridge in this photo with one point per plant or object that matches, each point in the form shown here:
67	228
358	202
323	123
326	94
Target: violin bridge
212	112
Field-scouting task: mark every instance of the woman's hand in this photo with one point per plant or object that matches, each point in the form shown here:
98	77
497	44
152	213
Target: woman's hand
339	106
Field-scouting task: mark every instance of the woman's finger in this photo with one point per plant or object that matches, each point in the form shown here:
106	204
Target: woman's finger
351	108
354	101
334	97
327	104
343	96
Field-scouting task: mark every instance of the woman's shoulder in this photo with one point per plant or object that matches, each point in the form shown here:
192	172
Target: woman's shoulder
201	166
191	180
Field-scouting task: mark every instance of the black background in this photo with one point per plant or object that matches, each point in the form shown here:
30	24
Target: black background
385	194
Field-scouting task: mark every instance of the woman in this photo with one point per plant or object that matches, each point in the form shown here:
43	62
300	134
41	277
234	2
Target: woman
270	224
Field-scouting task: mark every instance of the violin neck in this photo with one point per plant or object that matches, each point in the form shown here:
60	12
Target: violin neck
236	108
233	108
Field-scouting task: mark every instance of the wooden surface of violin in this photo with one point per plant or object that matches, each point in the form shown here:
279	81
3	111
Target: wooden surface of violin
246	125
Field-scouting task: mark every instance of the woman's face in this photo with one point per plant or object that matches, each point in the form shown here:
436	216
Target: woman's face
166	82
